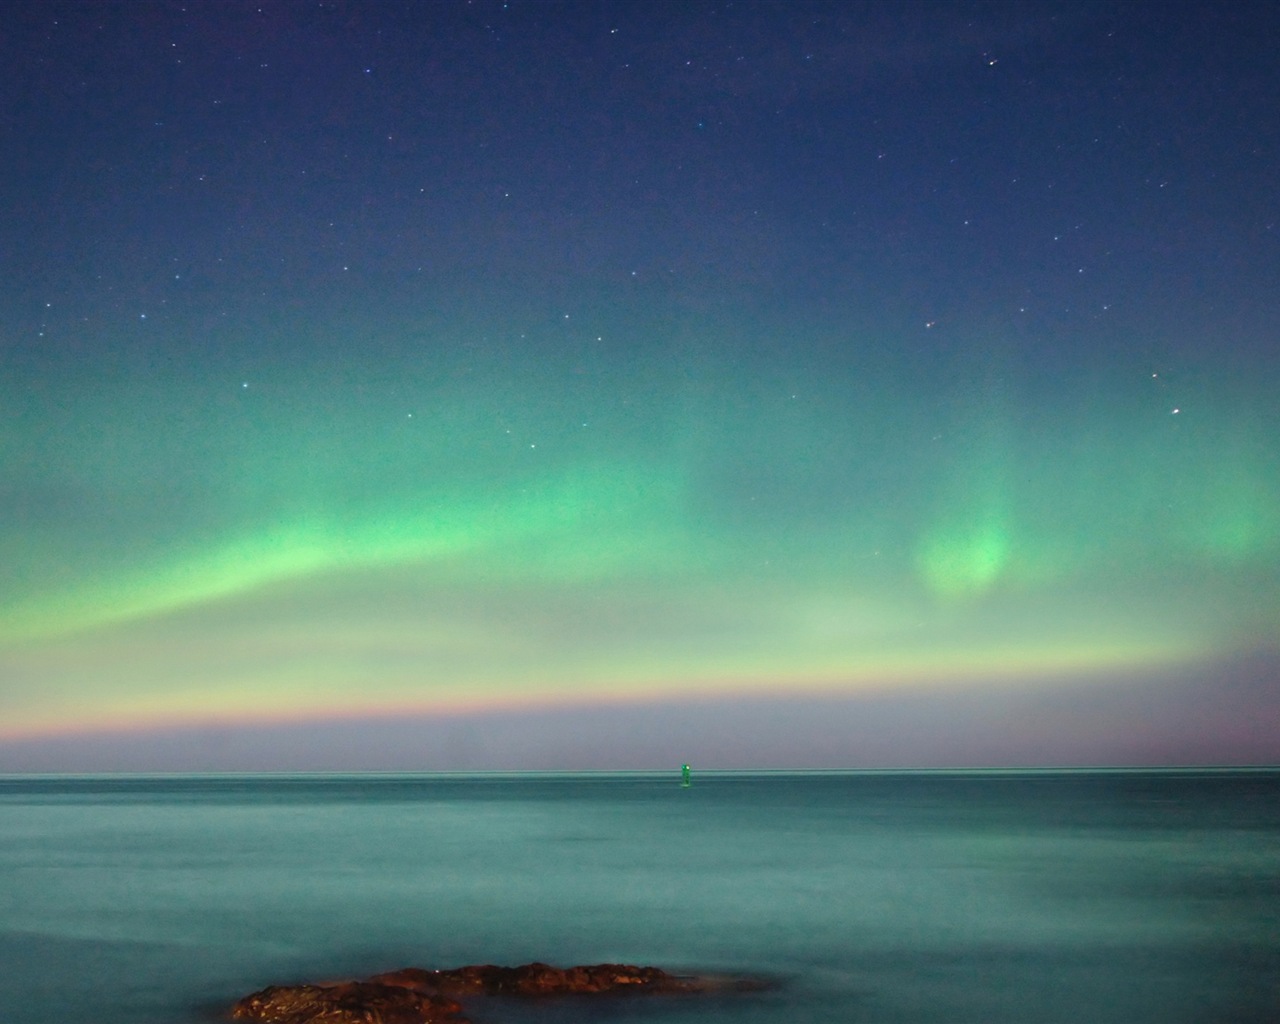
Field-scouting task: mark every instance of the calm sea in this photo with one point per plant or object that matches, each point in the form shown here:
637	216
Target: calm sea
1027	898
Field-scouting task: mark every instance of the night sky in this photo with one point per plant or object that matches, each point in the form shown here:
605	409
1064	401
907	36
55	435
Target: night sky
611	385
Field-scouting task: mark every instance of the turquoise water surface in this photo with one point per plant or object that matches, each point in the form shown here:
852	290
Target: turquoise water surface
897	898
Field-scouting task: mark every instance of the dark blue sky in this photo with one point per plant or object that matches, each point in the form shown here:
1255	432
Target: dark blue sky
901	161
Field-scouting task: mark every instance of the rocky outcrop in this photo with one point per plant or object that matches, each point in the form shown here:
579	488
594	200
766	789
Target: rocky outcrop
416	996
538	979
353	1001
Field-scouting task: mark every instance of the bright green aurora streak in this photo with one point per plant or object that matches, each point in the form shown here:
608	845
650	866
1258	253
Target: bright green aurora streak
519	532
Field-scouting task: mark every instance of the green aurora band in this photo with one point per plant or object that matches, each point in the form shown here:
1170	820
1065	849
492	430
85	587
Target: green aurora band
322	538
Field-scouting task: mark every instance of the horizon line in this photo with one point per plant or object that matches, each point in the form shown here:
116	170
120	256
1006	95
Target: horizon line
673	772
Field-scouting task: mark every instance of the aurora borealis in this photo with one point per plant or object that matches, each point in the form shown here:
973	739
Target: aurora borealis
381	371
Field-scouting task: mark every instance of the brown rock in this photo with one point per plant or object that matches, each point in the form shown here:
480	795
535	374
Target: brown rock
416	996
538	979
352	1002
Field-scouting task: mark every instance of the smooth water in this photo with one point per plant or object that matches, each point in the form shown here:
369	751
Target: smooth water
1027	898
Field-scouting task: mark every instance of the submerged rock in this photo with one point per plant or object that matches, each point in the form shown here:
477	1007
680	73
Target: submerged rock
416	996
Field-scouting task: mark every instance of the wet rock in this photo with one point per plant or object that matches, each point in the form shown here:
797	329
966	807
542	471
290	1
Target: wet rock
352	1002
413	995
538	979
